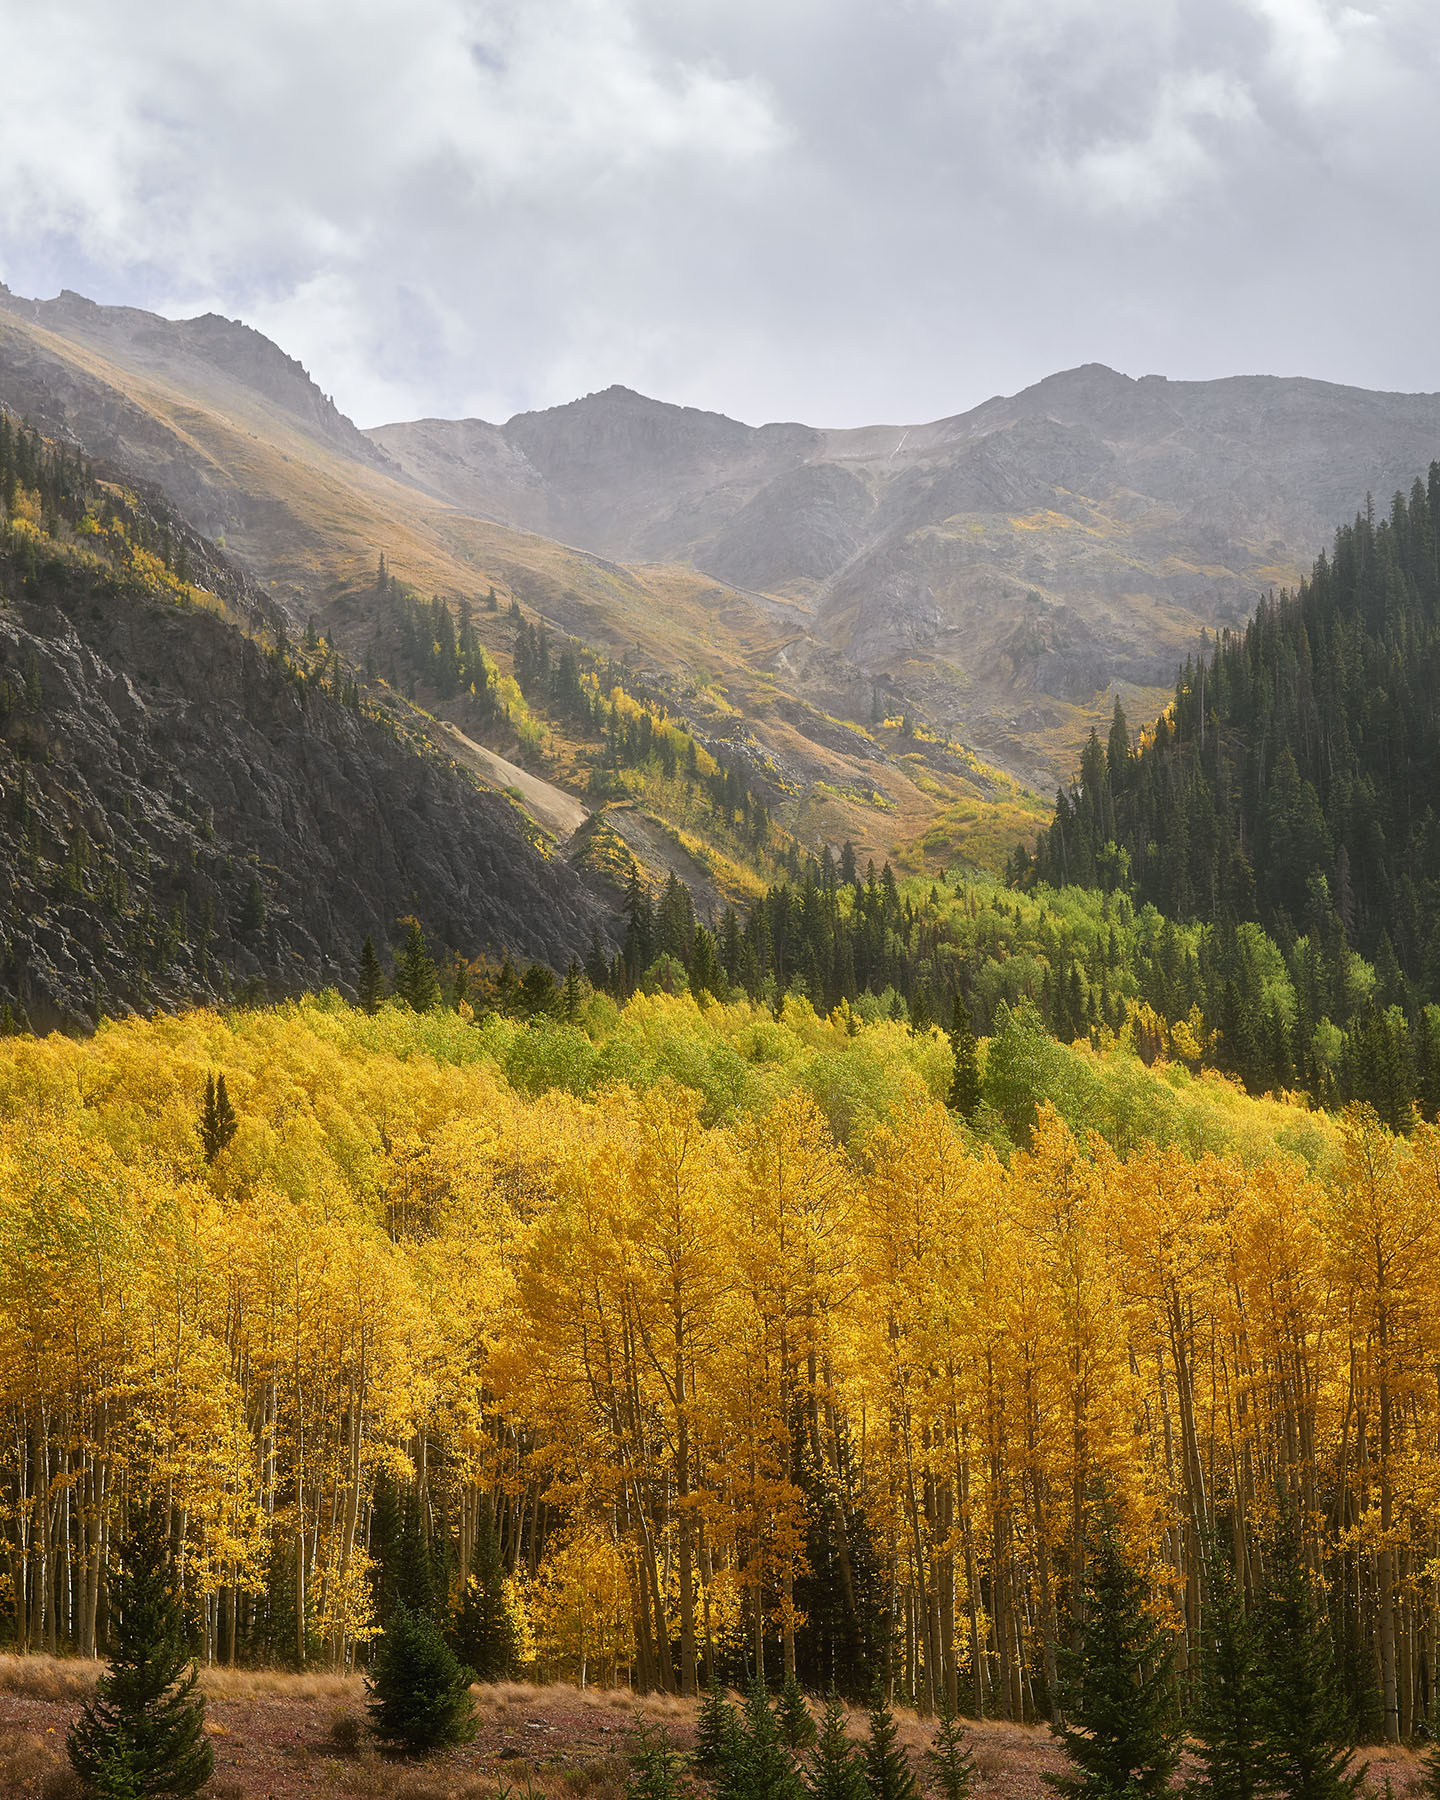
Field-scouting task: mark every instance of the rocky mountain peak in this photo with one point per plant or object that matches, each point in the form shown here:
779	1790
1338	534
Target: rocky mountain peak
210	351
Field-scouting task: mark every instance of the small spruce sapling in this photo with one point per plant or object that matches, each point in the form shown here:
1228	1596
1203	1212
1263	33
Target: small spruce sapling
1308	1745
1226	1723
654	1767
793	1718
1430	1759
419	1694
1120	1737
761	1768
837	1770
949	1756
143	1732
888	1775
717	1732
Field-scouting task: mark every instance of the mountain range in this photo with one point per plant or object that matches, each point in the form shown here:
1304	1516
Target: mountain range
896	635
1033	550
997	570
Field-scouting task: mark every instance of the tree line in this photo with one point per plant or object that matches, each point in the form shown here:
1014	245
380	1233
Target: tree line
1093	968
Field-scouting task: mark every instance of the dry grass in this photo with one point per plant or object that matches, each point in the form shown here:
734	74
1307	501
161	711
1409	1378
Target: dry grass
33	1762
602	1779
287	1737
47	1677
323	1690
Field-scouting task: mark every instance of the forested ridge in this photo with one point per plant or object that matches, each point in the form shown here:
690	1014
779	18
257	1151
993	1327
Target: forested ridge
196	802
1293	783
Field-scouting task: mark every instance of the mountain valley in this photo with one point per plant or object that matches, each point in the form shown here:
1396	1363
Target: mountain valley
895	637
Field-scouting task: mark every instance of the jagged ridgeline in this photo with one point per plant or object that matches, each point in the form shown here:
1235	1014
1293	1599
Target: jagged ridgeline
192	805
1292	785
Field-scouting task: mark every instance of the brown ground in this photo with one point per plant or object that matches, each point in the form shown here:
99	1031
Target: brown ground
279	1737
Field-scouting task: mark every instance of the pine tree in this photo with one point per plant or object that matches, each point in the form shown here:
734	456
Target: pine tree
370	987
965	1084
387	1528
419	1694
143	1732
761	1769
793	1718
1120	1736
654	1767
1430	1757
717	1732
485	1636
218	1123
252	910
837	1771
949	1756
1308	1745
704	965
888	1775
415	1583
416	982
1225	1723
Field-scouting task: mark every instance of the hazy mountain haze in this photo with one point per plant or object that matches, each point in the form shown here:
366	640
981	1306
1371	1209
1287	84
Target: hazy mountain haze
996	570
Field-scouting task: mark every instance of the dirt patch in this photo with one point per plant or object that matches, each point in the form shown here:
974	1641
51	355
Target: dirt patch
551	808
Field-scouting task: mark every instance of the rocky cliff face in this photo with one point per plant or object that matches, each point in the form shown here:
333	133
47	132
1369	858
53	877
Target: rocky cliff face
181	817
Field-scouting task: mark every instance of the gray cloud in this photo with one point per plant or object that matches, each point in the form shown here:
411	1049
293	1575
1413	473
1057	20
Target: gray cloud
837	210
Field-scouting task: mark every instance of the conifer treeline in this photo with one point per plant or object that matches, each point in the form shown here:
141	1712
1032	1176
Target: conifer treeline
731	1393
1089	968
597	698
605	700
1293	782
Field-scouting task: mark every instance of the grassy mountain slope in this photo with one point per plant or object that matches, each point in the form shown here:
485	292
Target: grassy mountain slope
250	453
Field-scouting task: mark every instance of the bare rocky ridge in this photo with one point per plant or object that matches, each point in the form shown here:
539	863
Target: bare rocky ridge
208	354
1049	543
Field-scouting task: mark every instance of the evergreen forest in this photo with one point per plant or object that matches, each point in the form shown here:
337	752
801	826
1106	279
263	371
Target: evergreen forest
1292	784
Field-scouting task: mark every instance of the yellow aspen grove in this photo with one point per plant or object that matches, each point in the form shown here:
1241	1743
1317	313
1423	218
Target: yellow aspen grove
702	1386
914	1212
677	1276
1382	1238
790	1224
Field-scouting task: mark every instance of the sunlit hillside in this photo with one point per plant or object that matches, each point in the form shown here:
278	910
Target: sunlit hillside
255	458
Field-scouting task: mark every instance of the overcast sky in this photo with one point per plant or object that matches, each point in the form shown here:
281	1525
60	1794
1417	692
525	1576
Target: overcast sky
840	211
